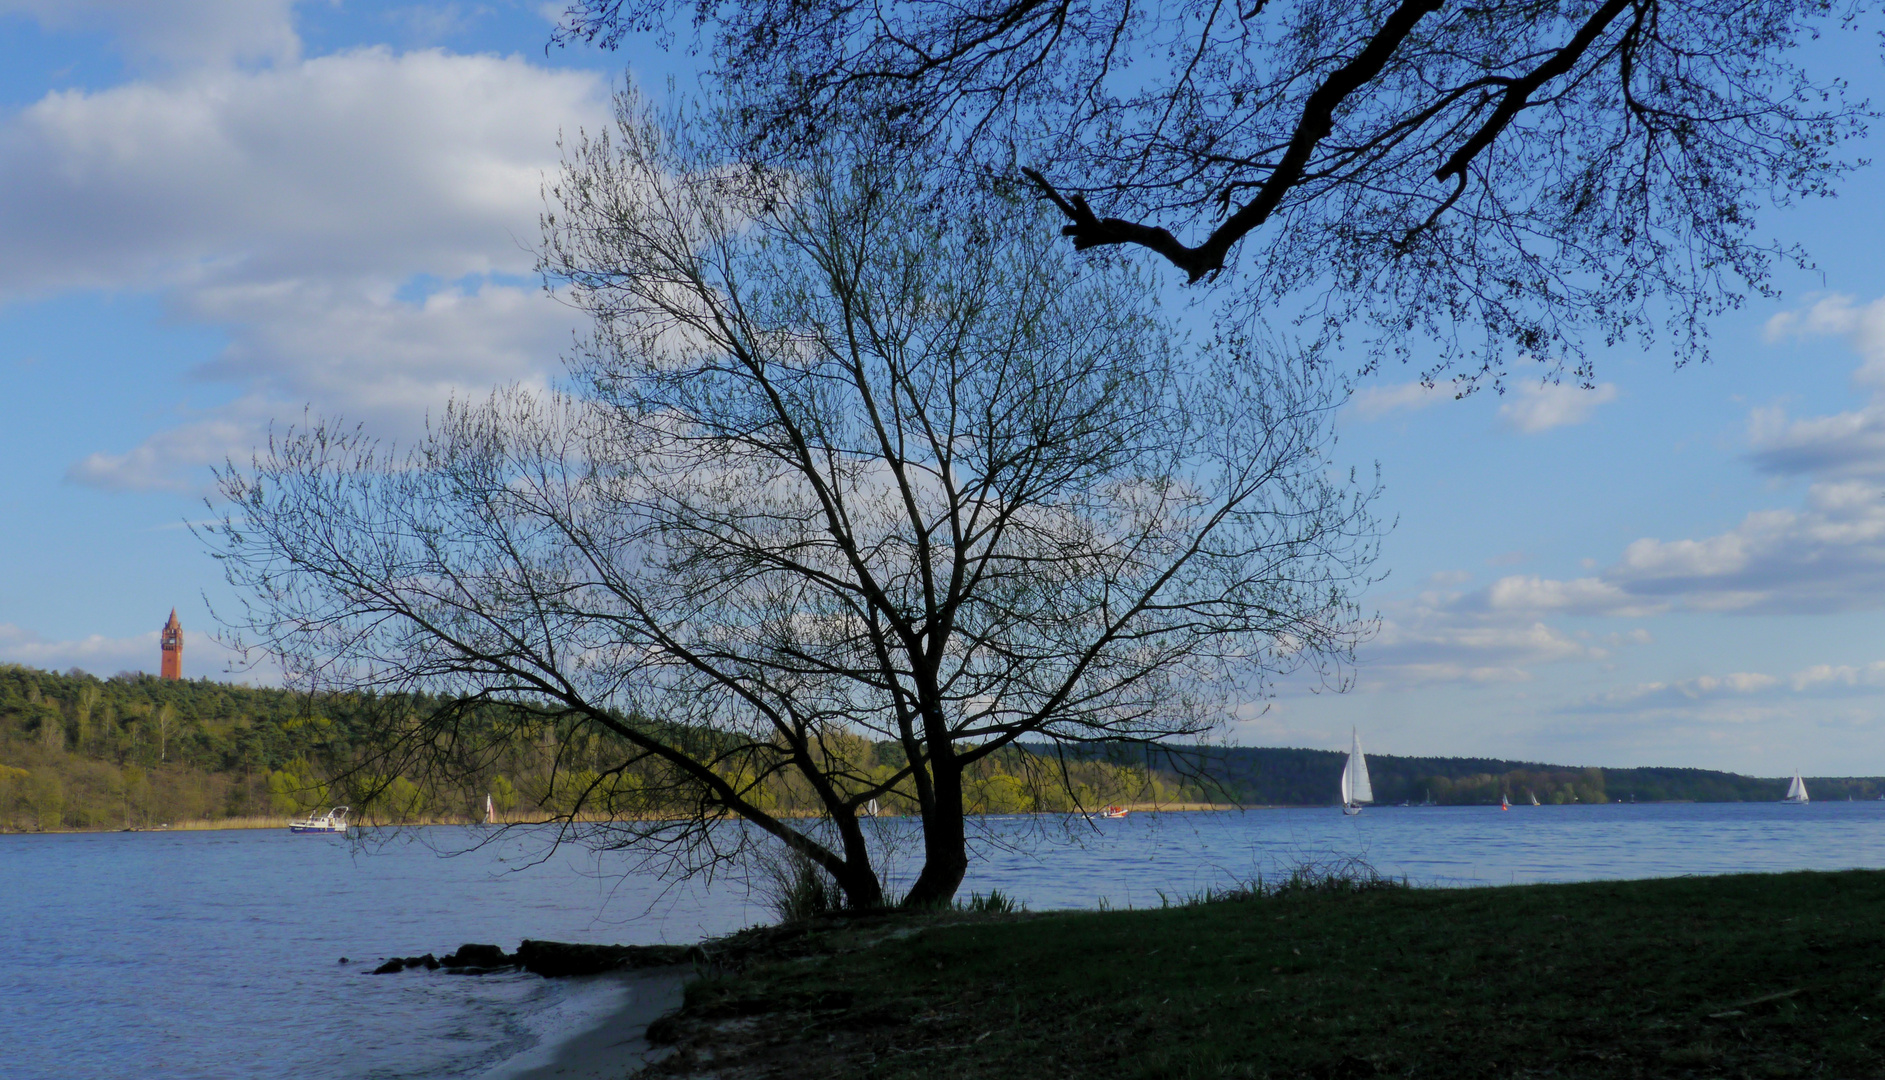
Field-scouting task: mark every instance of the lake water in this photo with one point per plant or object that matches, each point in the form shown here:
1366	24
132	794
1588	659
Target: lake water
209	955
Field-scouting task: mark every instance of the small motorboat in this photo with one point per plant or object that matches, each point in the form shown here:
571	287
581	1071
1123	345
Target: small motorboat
334	821
1114	812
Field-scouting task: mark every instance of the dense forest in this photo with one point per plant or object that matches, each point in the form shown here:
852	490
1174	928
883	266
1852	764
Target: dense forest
134	751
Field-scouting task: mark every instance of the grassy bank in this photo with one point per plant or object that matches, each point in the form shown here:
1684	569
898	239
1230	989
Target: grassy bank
1745	976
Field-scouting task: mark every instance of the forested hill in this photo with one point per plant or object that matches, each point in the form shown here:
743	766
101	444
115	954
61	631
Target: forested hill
135	751
1284	777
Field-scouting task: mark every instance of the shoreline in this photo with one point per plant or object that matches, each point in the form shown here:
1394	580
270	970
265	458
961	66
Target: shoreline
263	823
250	823
609	1044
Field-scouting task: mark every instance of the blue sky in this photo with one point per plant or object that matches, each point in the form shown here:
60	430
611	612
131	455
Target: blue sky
216	214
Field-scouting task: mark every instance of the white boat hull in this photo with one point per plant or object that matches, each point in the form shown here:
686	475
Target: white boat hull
334	821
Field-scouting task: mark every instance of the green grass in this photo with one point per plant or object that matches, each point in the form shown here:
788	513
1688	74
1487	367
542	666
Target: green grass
1746	976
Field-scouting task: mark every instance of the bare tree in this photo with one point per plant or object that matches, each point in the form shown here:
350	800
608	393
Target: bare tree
1498	176
847	458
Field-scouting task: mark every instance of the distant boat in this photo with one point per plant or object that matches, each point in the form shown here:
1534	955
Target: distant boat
1796	791
334	821
1503	805
1356	789
490	812
1534	796
872	808
1114	812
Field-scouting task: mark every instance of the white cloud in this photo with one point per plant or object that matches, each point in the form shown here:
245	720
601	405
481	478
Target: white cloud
170	460
1840	315
176	31
360	226
1684	691
1827	556
1845	444
203	655
1434	638
1739	696
363	355
362	163
1832	677
1375	402
1582	596
1542	406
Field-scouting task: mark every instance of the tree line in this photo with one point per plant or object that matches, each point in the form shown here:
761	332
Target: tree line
135	751
1266	776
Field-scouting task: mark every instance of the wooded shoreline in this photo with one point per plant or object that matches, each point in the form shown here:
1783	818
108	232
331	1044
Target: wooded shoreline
281	822
135	752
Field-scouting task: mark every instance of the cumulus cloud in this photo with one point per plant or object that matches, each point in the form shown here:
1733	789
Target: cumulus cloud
359	225
352	349
1827	678
1582	596
1428	650
1839	315
170	460
1828	555
176	31
1682	692
1845	444
1441	636
361	163
1536	407
1727	696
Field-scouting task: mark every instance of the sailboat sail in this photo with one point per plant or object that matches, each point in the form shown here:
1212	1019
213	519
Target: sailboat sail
1355	786
1796	791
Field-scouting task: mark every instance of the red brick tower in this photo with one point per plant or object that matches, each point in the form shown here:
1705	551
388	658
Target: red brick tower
172	639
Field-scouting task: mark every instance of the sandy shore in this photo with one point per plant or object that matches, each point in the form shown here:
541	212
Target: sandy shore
615	1045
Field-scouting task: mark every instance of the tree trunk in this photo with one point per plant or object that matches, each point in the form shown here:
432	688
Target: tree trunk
945	840
862	890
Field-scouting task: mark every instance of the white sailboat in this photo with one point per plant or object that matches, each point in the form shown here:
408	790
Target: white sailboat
1534	796
1796	791
1355	786
490	811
